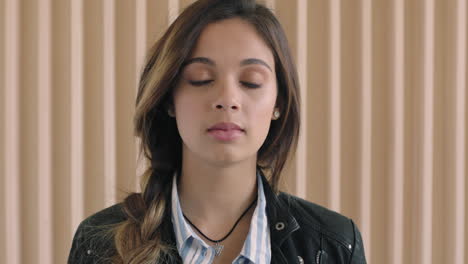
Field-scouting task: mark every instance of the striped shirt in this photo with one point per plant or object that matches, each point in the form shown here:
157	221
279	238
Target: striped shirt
194	250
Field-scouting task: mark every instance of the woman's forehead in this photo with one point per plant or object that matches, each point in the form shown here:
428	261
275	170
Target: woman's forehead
232	41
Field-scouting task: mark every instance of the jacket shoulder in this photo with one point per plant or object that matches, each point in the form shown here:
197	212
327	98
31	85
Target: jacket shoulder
331	224
110	215
317	216
93	239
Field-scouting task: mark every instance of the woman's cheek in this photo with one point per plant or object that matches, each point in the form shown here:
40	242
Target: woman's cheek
186	103
186	114
262	120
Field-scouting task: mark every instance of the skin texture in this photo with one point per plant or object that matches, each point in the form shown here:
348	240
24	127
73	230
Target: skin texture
218	179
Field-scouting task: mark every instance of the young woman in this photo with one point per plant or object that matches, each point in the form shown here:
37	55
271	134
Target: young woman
217	112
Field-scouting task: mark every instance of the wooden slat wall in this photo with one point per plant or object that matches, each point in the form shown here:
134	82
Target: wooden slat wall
383	140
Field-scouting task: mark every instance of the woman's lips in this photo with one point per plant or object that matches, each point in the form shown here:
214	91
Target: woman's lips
225	135
226	126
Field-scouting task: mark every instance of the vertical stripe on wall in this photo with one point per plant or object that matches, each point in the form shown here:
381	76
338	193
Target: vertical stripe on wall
383	118
173	10
109	88
141	40
398	141
77	114
459	219
44	150
427	138
270	4
334	158
125	56
2	132
11	106
301	55
365	169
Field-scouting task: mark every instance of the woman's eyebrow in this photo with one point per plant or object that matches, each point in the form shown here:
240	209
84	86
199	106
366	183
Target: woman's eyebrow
210	62
255	61
203	60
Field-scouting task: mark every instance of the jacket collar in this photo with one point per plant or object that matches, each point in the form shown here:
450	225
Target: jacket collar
282	222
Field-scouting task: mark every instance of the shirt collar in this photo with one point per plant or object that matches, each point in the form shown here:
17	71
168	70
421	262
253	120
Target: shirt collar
254	247
182	230
257	246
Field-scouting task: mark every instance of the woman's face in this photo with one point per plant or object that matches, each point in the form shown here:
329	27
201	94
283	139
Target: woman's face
229	78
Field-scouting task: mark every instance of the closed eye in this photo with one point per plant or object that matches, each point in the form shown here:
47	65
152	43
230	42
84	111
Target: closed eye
204	82
200	83
251	85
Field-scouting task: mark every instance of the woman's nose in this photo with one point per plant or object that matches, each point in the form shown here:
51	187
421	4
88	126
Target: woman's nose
227	106
227	98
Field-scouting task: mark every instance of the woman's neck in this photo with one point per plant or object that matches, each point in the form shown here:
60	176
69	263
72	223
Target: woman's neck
212	197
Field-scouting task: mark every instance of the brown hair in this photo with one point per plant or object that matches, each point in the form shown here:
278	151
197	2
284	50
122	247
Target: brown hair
139	238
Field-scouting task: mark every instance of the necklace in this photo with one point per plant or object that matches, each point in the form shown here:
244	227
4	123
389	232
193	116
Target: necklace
217	246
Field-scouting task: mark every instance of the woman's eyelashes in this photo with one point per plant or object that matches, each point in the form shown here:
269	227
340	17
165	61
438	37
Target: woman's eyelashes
251	85
200	83
205	82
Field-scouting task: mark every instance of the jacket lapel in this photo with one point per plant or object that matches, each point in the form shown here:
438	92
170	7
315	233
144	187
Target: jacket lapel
282	224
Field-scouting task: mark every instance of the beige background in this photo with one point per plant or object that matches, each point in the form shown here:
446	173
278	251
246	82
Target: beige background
384	136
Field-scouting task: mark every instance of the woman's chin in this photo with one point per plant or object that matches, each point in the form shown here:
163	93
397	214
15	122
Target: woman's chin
225	159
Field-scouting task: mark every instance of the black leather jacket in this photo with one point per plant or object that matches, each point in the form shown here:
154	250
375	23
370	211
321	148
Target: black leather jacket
301	232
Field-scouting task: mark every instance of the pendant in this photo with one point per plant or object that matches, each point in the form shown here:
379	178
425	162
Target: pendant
218	249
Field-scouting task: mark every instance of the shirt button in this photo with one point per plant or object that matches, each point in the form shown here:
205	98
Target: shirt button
89	252
279	226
